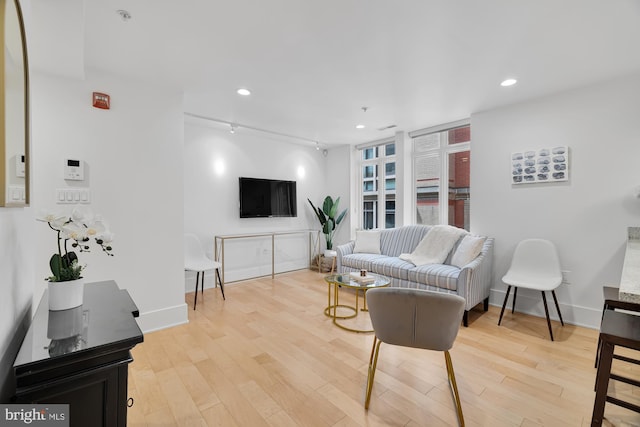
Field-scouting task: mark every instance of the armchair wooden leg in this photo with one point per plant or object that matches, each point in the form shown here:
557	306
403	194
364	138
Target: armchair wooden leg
454	387
373	362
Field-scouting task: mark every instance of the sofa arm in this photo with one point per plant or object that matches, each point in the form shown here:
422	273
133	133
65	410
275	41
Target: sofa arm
476	278
343	250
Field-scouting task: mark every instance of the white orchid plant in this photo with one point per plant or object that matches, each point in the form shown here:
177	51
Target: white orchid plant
77	230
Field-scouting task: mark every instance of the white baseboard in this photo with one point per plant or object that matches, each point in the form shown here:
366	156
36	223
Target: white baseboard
238	275
530	302
164	318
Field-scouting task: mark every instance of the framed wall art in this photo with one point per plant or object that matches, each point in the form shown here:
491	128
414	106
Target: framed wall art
539	166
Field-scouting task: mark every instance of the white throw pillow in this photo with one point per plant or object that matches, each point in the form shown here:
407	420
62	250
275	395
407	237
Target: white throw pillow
367	241
468	249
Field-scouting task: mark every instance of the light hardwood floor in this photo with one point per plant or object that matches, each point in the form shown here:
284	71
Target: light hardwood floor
268	356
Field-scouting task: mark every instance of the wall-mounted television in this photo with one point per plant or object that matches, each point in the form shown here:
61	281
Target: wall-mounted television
262	198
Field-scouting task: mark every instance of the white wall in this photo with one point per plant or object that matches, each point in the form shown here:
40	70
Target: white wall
213	160
588	216
16	288
133	160
338	184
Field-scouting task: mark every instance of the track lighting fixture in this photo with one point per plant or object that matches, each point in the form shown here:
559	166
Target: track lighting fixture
245	127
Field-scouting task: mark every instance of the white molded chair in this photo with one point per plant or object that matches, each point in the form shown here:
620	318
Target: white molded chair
415	318
196	260
535	265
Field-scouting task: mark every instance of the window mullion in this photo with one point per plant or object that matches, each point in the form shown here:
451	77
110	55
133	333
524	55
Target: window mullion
443	193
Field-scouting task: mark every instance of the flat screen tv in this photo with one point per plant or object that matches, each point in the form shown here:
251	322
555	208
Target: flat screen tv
262	198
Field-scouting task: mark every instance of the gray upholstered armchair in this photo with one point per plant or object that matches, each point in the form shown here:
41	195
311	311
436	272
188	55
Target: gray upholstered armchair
415	318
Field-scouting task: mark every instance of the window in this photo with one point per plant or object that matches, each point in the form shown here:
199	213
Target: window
378	178
442	160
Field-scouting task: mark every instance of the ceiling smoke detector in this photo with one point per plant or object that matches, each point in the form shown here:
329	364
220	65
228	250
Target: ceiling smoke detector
124	14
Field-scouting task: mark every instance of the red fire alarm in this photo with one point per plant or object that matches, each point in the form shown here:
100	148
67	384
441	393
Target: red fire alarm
101	100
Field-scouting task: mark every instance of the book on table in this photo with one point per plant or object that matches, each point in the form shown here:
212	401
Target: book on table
355	276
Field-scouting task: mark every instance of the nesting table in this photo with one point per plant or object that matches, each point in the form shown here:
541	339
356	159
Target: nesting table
337	281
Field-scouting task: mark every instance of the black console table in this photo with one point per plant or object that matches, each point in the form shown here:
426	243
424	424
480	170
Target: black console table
80	356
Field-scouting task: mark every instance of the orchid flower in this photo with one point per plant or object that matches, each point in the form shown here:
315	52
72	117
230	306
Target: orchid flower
55	220
78	229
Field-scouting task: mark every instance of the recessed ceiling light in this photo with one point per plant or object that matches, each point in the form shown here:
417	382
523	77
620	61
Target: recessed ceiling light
359	126
244	92
508	82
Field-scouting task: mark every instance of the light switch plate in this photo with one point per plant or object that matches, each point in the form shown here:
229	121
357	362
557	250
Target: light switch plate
73	196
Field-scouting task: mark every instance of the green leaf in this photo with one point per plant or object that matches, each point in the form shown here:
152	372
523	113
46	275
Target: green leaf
318	213
327	206
55	263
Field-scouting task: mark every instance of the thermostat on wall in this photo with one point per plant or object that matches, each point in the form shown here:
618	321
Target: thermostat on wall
74	169
20	165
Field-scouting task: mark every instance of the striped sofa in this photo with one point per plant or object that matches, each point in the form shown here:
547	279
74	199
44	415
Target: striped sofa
472	281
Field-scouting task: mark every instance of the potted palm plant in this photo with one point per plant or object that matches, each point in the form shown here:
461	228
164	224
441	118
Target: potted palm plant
329	219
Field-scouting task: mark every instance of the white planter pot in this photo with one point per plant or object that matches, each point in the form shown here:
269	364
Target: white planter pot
66	295
330	254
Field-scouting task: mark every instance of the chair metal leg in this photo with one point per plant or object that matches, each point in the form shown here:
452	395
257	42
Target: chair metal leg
513	304
557	306
504	304
221	285
195	298
202	284
546	311
373	362
454	387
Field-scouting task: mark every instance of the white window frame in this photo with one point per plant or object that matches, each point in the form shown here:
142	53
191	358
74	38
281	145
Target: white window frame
381	177
443	151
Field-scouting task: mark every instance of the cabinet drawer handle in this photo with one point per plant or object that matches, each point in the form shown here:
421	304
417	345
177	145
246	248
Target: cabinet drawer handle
130	402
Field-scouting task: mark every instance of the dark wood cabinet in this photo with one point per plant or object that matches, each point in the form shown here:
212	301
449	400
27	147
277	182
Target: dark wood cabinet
80	356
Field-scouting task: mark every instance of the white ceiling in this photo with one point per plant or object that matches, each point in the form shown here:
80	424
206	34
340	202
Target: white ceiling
312	65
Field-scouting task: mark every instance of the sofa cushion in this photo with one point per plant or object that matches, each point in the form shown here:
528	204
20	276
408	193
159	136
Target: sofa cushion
468	249
394	241
391	267
361	261
367	241
439	275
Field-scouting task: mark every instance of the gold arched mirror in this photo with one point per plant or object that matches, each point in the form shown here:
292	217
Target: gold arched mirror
14	107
